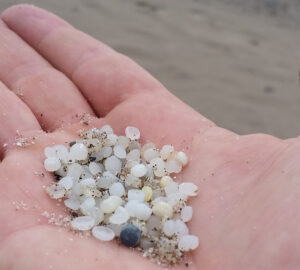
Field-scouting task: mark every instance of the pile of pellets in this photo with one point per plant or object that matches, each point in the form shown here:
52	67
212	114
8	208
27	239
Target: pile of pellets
117	188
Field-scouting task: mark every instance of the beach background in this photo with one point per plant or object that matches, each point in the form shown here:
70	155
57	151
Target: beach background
235	61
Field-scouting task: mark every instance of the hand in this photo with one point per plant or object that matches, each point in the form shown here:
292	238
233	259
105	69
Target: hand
53	77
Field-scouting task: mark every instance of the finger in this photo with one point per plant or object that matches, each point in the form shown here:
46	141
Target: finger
105	77
15	118
51	96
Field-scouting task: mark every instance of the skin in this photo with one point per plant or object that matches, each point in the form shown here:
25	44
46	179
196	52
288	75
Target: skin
246	214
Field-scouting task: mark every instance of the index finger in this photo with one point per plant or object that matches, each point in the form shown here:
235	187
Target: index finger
104	76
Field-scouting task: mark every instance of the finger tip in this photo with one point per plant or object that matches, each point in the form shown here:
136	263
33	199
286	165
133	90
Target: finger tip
26	12
30	21
15	10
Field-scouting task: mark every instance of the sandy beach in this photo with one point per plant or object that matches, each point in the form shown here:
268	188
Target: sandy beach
234	61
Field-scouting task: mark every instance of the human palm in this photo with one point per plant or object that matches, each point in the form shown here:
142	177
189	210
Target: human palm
247	211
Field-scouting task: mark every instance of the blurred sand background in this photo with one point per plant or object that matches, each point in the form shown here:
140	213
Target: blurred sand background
234	61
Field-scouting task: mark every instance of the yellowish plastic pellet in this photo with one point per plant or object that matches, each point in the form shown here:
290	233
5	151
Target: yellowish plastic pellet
165	180
148	193
162	209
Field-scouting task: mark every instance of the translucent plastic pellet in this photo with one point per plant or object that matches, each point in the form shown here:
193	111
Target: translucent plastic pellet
186	213
83	223
110	204
66	182
95	168
139	170
166	151
119	151
103	233
75	170
182	158
107	129
120	216
52	164
188	242
117	189
173	166
136	195
132	133
124	141
188	189
133	155
113	165
78	151
150	154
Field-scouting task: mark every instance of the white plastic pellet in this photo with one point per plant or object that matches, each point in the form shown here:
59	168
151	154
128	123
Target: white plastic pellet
117	189
166	151
182	158
75	170
171	188
120	216
87	204
188	189
139	170
158	167
132	181
96	213
188	242
154	222
181	228
134	145
113	164
119	151
52	164
106	151
66	182
95	168
103	233
124	141
133	155
186	213
107	129
86	172
143	211
83	223
62	152
132	133
173	166
106	180
149	173
116	228
111	140
110	204
162	209
169	227
174	198
136	195
87	183
150	154
72	204
78	151
147	146
131	207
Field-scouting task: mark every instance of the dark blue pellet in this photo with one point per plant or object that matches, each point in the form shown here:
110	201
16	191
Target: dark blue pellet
130	235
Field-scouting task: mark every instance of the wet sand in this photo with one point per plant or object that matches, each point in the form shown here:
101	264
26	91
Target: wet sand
234	61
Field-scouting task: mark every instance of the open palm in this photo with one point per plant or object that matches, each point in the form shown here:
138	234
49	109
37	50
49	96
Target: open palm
53	76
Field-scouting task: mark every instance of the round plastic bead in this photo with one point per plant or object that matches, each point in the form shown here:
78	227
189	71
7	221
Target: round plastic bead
130	235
